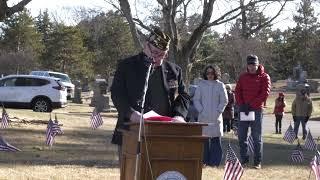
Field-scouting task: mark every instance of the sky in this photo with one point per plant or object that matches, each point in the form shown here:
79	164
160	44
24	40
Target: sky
63	10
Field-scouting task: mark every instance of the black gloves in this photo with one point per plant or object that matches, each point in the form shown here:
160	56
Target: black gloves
294	118
307	119
245	108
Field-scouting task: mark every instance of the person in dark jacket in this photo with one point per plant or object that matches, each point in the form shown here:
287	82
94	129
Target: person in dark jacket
252	90
278	111
166	94
228	113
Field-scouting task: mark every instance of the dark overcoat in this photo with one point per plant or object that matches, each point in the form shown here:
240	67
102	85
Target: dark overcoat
127	90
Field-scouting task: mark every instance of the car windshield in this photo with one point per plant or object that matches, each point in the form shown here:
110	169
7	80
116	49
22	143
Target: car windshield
63	78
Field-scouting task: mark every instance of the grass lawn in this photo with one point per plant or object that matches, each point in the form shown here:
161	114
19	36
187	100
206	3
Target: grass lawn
83	153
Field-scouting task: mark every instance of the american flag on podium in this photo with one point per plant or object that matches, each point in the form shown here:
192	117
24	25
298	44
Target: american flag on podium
4	118
233	169
315	165
53	129
96	119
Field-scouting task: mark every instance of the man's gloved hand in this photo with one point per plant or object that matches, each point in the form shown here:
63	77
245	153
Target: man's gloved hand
245	108
294	118
178	119
135	116
307	119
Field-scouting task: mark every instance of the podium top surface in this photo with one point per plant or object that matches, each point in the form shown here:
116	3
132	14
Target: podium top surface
168	128
168	123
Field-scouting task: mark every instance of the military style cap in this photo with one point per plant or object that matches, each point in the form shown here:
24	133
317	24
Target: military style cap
159	39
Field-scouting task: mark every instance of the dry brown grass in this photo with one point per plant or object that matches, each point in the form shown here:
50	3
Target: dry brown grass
83	153
80	153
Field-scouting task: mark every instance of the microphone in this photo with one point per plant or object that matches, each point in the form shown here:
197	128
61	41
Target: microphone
150	63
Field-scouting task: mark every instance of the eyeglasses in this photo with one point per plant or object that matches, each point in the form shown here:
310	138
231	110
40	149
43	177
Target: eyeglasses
156	51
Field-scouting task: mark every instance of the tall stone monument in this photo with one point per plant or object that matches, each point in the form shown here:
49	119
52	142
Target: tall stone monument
100	100
77	93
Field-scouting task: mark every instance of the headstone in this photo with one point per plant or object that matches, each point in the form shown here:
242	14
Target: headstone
102	85
77	93
296	72
302	76
225	78
85	85
100	100
299	76
110	80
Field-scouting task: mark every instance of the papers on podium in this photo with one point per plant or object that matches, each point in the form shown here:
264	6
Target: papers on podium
153	116
249	117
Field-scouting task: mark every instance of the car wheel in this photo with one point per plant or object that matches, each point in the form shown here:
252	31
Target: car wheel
41	105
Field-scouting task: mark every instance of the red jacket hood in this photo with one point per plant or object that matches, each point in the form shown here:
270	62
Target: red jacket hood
260	69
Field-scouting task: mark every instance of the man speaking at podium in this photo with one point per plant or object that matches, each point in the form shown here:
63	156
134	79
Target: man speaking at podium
166	93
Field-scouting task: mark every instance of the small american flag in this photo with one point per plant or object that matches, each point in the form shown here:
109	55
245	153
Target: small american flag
53	129
233	169
96	119
315	165
4	118
310	143
5	146
296	155
290	135
250	145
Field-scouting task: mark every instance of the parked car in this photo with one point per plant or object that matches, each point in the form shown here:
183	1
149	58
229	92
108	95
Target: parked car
65	80
42	94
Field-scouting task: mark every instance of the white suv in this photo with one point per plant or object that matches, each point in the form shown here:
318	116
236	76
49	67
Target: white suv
64	78
42	94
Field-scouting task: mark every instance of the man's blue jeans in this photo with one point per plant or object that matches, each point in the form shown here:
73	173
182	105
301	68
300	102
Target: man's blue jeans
256	130
212	151
301	119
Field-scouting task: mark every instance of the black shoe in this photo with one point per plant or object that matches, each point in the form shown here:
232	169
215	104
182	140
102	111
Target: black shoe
244	163
257	165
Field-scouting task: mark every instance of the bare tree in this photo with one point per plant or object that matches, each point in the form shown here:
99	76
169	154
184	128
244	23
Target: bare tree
184	52
6	11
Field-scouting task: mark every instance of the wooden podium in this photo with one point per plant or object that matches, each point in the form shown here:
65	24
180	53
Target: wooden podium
175	151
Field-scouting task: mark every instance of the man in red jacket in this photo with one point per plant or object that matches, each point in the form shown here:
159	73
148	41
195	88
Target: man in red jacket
252	90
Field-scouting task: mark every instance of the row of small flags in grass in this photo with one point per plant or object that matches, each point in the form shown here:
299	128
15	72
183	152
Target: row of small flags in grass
53	129
310	144
233	169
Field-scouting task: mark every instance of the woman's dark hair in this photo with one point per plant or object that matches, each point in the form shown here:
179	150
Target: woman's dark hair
216	71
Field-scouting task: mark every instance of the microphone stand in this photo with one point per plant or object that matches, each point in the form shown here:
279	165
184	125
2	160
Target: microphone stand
138	155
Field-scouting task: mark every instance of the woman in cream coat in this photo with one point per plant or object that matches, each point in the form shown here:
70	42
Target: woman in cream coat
210	99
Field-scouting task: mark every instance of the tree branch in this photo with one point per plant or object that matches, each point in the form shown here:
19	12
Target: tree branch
6	11
125	8
18	7
268	22
140	23
162	3
219	20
